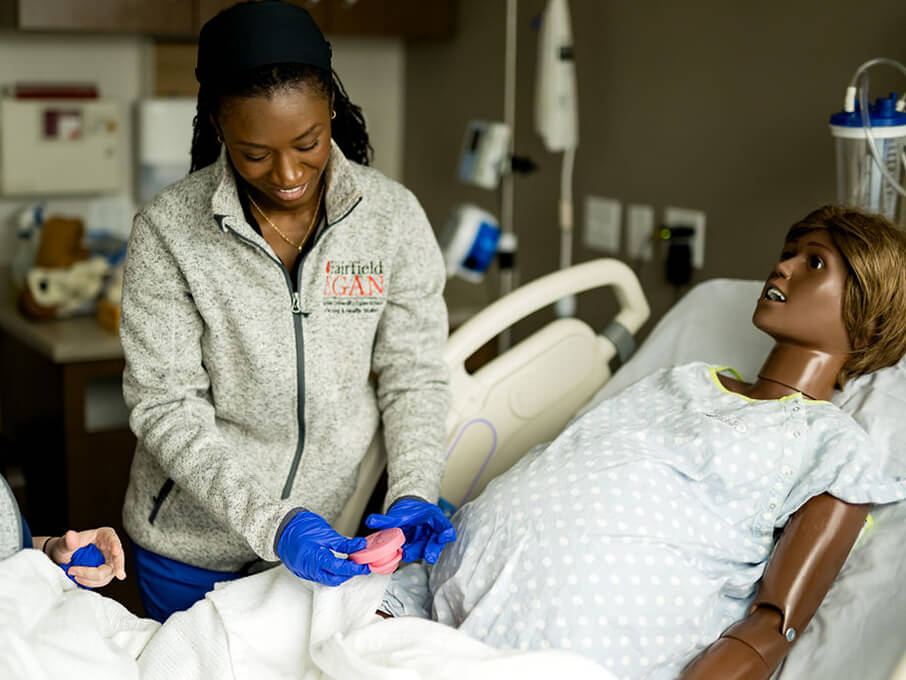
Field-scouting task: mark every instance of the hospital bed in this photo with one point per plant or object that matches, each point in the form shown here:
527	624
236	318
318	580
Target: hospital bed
527	395
523	397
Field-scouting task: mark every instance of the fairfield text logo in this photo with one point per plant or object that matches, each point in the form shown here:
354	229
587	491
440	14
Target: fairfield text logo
354	279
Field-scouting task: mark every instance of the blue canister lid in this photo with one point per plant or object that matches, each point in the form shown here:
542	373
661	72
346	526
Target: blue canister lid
883	113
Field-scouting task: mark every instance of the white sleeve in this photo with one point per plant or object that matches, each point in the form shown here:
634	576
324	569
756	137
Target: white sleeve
844	463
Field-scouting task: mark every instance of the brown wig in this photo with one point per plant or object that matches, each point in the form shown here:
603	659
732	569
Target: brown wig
874	296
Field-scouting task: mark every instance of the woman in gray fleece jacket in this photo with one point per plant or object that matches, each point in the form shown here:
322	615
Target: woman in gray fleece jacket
278	303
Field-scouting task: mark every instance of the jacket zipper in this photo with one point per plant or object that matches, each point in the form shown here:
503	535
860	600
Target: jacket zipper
300	358
300	362
296	308
300	342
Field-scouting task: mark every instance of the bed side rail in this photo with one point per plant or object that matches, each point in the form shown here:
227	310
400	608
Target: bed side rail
527	395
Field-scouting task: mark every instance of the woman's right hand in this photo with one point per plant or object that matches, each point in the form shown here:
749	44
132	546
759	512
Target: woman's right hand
306	546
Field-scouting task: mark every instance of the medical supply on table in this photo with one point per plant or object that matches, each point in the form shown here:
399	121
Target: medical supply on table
27	222
383	551
305	547
426	528
66	277
869	141
557	118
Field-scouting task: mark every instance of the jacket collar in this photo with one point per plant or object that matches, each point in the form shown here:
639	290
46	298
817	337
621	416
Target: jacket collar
341	192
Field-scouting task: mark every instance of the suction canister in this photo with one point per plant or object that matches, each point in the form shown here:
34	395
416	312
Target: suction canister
861	182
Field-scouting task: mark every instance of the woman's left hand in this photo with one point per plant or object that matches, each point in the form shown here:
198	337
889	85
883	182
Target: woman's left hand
426	528
106	540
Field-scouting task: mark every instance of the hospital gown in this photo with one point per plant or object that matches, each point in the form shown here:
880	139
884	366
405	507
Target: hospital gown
640	533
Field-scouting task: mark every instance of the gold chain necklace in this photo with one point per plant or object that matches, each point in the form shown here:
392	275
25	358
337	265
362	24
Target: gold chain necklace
297	246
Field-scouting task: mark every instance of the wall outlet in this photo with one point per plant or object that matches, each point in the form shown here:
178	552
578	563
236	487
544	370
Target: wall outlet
639	232
603	218
683	217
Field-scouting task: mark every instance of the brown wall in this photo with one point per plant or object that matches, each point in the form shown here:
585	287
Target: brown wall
715	106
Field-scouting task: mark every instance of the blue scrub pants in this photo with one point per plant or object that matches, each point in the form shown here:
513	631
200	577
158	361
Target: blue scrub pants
26	533
167	586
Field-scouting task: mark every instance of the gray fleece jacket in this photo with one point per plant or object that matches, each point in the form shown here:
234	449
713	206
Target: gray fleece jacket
249	399
11	537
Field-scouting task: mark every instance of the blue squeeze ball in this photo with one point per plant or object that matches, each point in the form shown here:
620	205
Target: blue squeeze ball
89	556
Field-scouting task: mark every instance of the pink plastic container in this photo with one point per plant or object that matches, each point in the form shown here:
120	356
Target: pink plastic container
383	551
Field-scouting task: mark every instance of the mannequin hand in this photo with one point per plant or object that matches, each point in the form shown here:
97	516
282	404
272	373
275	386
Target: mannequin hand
733	659
105	540
305	548
728	659
427	529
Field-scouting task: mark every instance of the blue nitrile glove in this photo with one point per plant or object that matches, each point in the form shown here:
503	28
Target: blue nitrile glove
427	529
87	556
305	547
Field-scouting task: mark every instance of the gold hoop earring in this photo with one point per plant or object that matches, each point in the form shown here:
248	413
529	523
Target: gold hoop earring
333	114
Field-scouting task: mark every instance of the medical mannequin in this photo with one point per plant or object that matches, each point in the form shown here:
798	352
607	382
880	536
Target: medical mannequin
649	526
802	308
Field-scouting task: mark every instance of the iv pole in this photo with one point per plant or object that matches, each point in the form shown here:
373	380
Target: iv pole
506	181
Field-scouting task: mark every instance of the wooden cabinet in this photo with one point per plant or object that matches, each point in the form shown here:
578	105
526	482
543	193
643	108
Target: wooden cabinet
319	10
152	17
411	19
392	18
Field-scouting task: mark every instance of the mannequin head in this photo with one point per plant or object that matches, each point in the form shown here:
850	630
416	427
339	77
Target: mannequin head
873	305
801	306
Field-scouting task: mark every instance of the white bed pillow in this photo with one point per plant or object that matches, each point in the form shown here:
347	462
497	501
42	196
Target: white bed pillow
859	630
712	322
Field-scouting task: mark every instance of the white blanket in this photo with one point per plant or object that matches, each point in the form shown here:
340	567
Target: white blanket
271	625
51	629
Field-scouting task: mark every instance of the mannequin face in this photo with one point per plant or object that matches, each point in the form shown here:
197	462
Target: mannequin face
279	144
802	301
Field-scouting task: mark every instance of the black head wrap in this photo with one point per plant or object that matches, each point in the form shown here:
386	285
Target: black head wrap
254	34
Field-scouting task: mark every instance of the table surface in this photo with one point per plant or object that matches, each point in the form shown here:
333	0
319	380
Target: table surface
62	341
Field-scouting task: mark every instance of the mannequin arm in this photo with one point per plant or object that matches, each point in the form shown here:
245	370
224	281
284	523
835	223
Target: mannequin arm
812	549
